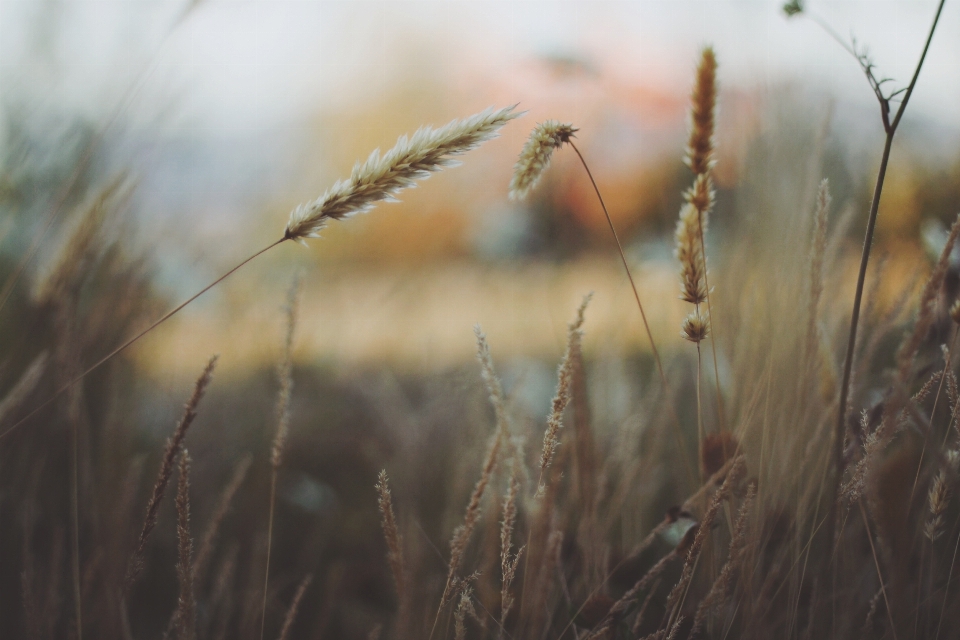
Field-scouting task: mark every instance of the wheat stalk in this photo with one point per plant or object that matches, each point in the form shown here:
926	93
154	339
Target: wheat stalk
376	180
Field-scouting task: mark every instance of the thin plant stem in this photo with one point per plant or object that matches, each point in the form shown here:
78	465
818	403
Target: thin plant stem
946	592
936	401
137	337
713	335
643	315
700	433
891	129
75	527
266	576
876	563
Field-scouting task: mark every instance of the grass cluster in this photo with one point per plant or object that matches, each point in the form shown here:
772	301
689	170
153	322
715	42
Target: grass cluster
786	472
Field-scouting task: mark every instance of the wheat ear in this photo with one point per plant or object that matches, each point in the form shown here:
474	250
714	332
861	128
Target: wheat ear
376	180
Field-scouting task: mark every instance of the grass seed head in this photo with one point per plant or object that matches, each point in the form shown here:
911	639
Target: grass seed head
382	177
535	156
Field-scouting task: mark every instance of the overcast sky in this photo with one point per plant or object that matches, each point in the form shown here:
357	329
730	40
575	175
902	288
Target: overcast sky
238	65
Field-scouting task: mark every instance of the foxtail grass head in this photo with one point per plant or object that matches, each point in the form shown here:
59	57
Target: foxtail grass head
703	104
695	328
535	156
380	178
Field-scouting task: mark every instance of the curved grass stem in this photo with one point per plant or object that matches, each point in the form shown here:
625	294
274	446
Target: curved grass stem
643	315
135	338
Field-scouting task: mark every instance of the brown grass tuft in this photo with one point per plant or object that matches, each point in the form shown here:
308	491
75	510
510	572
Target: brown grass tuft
135	565
392	534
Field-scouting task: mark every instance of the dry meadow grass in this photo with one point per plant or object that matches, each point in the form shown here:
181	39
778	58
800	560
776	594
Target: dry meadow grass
766	469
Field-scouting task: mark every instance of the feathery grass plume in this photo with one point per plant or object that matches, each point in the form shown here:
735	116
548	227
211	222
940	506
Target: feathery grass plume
378	179
492	383
675	629
205	550
464	608
535	156
695	328
722	586
693	287
889	424
508	561
703	103
285	378
381	177
294	606
562	398
939	497
817	252
186	605
285	374
174	444
679	591
391	533
461	535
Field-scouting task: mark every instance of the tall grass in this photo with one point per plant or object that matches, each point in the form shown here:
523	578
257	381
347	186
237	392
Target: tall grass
805	517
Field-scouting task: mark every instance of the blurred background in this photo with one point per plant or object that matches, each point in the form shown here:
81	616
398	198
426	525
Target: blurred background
212	119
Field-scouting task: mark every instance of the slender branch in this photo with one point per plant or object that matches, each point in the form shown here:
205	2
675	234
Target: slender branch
891	130
916	73
135	338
